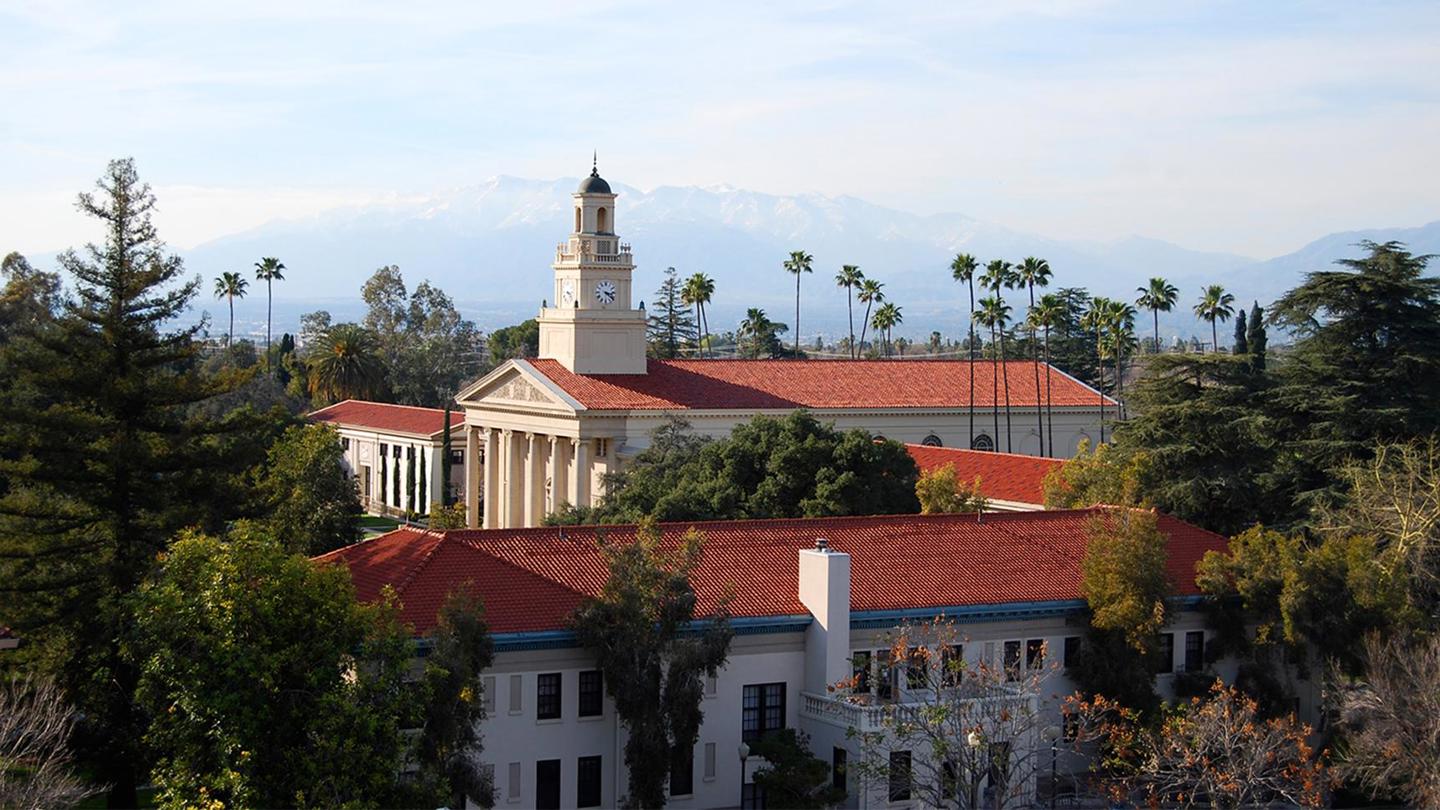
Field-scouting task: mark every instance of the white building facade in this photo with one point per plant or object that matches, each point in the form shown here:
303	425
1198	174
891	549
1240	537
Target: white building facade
397	454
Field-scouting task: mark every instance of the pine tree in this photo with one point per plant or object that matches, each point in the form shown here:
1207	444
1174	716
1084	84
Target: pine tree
105	458
1257	338
673	324
1241	344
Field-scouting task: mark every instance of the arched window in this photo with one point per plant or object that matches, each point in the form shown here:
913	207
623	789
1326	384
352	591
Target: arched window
602	224
932	441
982	441
577	220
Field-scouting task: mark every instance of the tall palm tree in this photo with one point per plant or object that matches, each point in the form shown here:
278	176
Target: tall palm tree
231	286
962	268
994	314
799	262
1001	274
1034	273
1159	296
870	294
345	363
1049	312
850	277
1094	320
755	333
269	270
1120	326
697	292
886	318
1215	305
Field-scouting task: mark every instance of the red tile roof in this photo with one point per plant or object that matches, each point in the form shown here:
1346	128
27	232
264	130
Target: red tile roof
388	417
532	579
1003	476
789	384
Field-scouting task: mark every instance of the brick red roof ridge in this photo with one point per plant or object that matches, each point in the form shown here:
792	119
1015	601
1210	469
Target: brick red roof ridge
345	412
1026	456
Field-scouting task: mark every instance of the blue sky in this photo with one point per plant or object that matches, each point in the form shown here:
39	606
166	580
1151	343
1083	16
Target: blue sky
1245	127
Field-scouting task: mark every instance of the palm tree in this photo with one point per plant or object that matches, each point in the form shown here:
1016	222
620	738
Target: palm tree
998	274
994	314
1035	273
1094	320
345	363
231	286
1160	296
755	333
887	317
1048	313
1120	324
799	262
962	268
697	292
850	277
870	294
269	270
1215	305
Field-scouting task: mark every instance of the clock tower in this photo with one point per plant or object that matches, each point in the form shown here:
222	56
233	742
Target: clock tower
592	327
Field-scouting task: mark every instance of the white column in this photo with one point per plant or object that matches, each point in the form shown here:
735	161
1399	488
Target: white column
527	505
582	472
558	446
472	475
492	478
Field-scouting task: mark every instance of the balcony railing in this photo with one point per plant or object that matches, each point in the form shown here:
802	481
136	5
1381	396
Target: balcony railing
569	252
847	711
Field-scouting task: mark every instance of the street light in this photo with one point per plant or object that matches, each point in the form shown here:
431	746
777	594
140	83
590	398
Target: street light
974	740
1052	736
744	755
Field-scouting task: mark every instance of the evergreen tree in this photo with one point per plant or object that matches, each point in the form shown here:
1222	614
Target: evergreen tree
1241	344
672	326
106	457
1256	338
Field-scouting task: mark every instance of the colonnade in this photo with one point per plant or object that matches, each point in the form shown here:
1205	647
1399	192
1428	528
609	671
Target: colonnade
525	476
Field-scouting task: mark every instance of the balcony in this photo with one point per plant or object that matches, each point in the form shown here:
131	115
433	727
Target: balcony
581	252
866	714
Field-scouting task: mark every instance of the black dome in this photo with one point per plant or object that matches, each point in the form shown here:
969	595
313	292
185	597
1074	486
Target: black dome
594	184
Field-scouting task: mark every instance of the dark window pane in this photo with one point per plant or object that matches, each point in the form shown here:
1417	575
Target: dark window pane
547	696
860	666
1012	660
762	709
953	662
837	768
682	771
587	782
1034	653
917	670
1195	651
899	776
1000	766
592	693
1165	653
884	675
547	784
1072	650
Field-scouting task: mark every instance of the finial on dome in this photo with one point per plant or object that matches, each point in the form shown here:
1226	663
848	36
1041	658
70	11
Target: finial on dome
595	163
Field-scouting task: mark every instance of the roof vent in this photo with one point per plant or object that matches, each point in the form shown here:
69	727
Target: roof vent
822	545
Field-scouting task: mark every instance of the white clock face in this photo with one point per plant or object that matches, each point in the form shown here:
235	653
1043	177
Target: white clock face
567	292
605	292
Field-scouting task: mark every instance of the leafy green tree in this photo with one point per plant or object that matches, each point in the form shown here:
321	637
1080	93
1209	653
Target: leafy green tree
1158	296
29	298
309	499
107	453
697	292
520	340
269	270
427	347
345	363
798	263
940	491
1256	338
793	777
645	636
266	683
871	293
848	279
758	336
791	466
1215	305
671	327
230	286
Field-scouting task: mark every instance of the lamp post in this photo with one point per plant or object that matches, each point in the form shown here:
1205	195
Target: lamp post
744	755
1052	736
974	740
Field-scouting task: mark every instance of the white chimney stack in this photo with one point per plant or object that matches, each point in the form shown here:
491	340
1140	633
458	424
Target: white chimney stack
825	592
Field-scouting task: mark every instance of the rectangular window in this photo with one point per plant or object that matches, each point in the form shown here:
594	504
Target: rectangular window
1195	651
1012	660
592	694
1072	651
395	451
457	457
547	784
860	667
837	768
1035	653
917	669
587	782
1165	653
487	697
682	770
383	448
952	661
751	796
709	761
949	781
514	786
517	695
762	710
899	776
547	696
344	444
884	675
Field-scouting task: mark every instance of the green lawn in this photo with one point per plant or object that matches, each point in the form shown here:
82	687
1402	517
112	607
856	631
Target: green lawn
372	524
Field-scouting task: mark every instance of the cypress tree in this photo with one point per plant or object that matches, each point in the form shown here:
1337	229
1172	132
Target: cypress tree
1257	337
105	457
445	497
1241	344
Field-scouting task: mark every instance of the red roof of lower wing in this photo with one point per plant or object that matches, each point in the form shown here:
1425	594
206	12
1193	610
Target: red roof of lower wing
1003	476
790	384
385	416
532	579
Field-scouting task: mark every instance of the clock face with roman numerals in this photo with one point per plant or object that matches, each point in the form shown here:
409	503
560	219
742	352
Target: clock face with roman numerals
567	292
605	292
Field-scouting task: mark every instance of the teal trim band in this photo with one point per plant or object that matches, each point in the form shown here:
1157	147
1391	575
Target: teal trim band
565	639
875	619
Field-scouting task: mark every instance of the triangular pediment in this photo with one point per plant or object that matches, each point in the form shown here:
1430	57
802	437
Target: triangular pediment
516	385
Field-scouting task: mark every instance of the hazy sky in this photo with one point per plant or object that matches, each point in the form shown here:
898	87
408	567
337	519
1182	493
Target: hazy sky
1249	127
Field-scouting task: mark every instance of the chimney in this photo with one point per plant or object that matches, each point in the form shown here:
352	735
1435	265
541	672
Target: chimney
824	585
